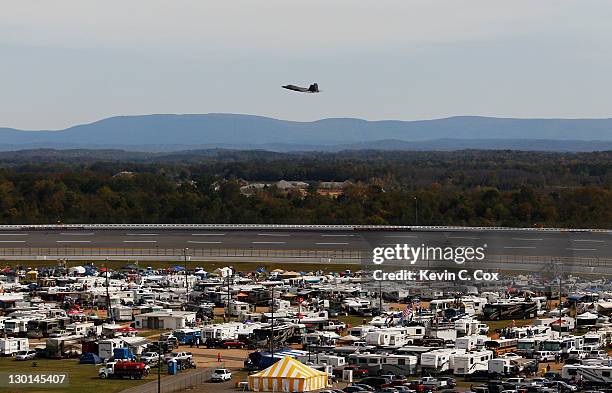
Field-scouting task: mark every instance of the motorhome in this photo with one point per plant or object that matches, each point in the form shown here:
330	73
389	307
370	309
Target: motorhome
530	345
225	331
507	310
470	362
187	335
563	345
594	340
17	326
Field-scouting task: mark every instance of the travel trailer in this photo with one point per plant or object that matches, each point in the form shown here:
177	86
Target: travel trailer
470	362
107	347
598	374
470	343
440	360
383	363
10	346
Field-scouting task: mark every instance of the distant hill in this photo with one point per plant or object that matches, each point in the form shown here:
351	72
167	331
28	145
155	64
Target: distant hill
231	131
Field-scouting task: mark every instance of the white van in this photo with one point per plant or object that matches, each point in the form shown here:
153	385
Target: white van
545	356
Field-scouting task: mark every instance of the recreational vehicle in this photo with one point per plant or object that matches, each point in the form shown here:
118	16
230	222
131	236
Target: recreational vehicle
597	374
470	362
440	360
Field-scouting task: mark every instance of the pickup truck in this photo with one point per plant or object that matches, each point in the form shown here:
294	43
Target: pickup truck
432	383
220	375
150	358
178	356
334	326
233	344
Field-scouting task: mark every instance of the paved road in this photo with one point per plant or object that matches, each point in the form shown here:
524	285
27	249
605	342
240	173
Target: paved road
521	243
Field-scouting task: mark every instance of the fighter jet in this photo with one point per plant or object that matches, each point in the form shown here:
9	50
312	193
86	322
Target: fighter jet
314	88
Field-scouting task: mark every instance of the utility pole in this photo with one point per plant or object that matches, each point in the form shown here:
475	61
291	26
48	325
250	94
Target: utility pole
272	322
229	296
159	364
558	269
185	251
109	311
416	211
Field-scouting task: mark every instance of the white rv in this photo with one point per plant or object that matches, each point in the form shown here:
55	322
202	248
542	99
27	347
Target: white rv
440	359
10	346
106	348
589	373
469	362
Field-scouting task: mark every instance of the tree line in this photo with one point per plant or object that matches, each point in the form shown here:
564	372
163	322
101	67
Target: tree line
502	188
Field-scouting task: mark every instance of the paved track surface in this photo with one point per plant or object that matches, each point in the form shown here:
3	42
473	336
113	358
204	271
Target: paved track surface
519	243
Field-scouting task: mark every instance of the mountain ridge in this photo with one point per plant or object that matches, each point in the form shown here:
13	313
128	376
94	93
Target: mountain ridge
242	131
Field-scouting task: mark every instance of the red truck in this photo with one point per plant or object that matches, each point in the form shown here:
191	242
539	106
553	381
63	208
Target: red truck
122	369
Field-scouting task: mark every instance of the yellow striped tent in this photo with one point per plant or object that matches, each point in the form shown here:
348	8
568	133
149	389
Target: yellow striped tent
288	375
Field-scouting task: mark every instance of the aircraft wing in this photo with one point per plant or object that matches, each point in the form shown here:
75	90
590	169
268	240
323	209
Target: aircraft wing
295	88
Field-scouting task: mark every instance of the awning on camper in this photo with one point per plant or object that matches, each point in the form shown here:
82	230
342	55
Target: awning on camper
288	375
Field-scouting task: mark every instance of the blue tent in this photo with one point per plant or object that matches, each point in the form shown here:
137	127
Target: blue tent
178	268
90	358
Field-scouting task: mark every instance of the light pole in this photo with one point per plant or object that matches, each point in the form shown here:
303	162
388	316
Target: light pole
159	363
186	250
230	273
272	322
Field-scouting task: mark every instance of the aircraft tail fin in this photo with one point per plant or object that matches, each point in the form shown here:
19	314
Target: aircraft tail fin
314	88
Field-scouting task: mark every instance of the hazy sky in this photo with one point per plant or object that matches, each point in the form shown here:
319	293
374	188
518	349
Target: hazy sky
67	62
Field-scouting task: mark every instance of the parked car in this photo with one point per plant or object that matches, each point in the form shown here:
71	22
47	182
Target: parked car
395	380
26	355
220	375
354	389
545	356
364	387
358	372
232	344
450	381
178	356
150	358
552	376
562	386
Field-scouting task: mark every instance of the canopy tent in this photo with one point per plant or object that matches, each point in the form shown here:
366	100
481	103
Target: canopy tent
288	375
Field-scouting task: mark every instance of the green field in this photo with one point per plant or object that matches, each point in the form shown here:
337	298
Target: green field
82	377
